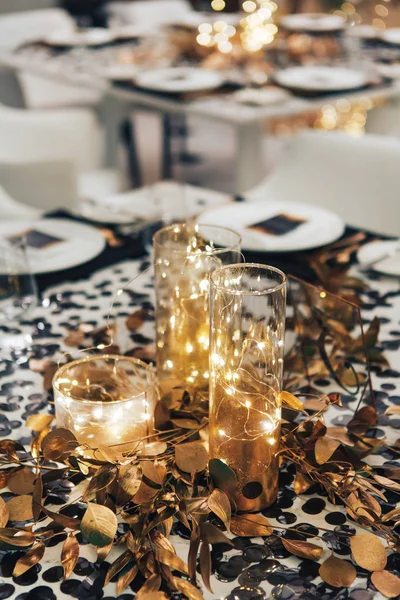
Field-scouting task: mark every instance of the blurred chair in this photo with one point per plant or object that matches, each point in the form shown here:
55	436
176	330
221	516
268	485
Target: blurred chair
10	209
385	120
51	159
355	177
149	13
39	92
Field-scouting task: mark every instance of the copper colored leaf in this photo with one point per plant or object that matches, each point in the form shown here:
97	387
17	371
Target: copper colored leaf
191	457
37	498
364	418
324	448
38	422
3	479
129	480
10	448
31	558
21	481
250	526
302	549
154	449
393	410
20	508
99	525
120	563
3	513
16	537
223	477
185	423
144	494
212	535
337	572
291	401
74	338
162	542
301	482
136	319
63	520
58	443
391	515
368	551
340	433
171	560
371	335
205	565
387	483
152	596
155	472
126	578
152	584
316	405
386	583
103	552
220	505
69	555
100	481
186	588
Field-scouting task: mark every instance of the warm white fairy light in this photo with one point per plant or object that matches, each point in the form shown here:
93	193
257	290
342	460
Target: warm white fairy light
258	29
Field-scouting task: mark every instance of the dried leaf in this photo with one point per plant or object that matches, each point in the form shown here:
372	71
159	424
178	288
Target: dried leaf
205	565
58	443
387	483
126	578
103	552
223	477
100	481
250	526
3	513
69	555
152	584
290	401
21	481
386	583
99	525
368	551
37	498
10	448
162	542
301	483
186	588
191	457
303	549
144	494
38	422
31	558
63	520
340	433
120	563
16	537
74	338
337	572
219	504
324	448
129	480
136	319
185	423
171	560
154	449
154	472
363	420
20	508
316	405
212	535
391	515
393	410
152	596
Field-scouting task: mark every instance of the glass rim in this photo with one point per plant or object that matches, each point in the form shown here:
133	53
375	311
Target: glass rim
231	248
131	359
236	292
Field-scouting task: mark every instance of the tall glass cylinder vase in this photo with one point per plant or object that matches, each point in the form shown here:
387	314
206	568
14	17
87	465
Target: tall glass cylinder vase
184	257
246	366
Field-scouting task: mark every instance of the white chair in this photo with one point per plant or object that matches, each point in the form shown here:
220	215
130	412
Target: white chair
151	13
10	209
51	159
27	26
358	178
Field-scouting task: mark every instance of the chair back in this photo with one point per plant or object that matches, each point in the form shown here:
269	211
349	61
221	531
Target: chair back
27	26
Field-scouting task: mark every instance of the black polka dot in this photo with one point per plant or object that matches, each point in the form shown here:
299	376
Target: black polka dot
314	506
287	518
335	518
6	590
41	592
255	553
53	574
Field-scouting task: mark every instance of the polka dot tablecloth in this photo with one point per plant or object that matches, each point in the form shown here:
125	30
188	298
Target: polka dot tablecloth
253	568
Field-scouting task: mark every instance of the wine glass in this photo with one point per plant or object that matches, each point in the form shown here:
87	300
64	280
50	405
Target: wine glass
18	293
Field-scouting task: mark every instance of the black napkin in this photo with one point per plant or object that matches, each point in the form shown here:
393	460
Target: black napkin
131	247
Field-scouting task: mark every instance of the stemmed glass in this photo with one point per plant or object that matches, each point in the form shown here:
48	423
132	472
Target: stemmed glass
18	293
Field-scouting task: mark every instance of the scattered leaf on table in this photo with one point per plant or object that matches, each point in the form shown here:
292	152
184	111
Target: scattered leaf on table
129	479
38	422
69	555
205	565
16	537
31	558
212	534
100	480
368	551
316	405
302	549
3	513
291	401
393	410
386	583
391	515
58	443
219	504
99	524
20	508
171	560
324	448
191	457
186	588
250	526
337	572
21	481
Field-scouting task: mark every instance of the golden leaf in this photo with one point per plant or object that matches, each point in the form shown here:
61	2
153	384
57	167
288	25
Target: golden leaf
302	549
363	419
144	494
220	505
340	433
250	526
21	481
162	542
316	405
103	552
120	563
3	513
368	551
37	498
58	443
191	457
60	519
136	319
171	560
387	483
152	584
186	423
291	401
31	558
16	537
386	583
74	338
393	410
301	483
186	588
205	565
391	515
10	447
337	572
152	596
100	481
212	535
20	508
324	448
154	449
126	578
154	472
69	555
129	480
99	525
38	422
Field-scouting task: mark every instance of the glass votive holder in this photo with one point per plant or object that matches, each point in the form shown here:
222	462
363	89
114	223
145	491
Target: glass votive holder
105	399
184	256
247	317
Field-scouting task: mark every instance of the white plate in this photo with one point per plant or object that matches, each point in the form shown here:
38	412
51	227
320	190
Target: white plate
261	97
383	257
321	78
180	79
313	22
80	243
118	72
321	227
391	36
87	37
392	71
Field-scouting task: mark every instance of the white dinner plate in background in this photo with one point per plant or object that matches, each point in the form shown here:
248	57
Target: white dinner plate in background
321	78
79	243
321	226
381	256
391	36
95	36
180	80
118	72
313	22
